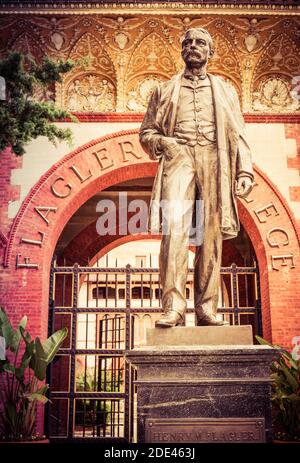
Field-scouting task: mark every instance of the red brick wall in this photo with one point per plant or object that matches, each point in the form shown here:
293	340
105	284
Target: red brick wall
8	192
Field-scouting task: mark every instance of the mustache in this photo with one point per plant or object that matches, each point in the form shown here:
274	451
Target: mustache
191	53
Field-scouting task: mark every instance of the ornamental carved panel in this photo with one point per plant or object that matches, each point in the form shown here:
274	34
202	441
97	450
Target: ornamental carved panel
90	92
120	59
29	46
225	62
272	86
274	94
152	54
91	85
139	91
151	63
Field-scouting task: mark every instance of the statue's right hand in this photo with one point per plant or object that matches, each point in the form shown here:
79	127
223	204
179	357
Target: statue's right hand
169	147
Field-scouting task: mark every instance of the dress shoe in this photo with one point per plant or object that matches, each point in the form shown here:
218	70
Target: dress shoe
210	320
169	319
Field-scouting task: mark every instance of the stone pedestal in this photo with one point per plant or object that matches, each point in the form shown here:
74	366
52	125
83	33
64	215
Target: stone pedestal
203	393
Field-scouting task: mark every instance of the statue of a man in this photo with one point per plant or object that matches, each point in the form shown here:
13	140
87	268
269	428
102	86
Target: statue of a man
194	127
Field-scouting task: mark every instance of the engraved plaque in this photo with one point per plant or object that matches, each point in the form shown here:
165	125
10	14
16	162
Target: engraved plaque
204	430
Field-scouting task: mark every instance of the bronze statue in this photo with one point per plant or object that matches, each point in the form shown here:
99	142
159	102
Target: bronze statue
194	127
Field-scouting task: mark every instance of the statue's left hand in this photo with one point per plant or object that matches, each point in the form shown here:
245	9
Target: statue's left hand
243	186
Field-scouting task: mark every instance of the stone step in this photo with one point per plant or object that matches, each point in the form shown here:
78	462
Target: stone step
200	336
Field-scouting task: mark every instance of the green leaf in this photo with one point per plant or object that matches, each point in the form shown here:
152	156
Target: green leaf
2	363
285	390
29	350
294	363
23	323
291	379
9	368
11	413
265	342
262	341
40	361
20	371
6	330
44	354
53	343
43	389
36	396
24	335
12	337
17	336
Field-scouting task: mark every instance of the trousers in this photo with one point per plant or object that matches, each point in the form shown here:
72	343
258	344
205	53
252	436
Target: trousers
191	173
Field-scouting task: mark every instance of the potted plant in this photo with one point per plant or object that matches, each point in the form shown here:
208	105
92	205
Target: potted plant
285	373
22	375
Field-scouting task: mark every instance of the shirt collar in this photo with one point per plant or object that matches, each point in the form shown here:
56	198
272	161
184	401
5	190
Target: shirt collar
188	75
191	83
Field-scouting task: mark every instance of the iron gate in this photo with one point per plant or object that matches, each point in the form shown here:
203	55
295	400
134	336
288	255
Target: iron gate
107	311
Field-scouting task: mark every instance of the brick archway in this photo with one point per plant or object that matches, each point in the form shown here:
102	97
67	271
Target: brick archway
117	158
229	251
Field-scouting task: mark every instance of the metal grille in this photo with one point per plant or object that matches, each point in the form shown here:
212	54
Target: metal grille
107	311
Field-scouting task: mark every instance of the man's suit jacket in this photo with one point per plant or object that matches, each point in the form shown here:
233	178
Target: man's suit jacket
233	151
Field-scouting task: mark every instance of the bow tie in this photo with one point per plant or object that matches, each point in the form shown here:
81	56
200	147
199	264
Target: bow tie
195	78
